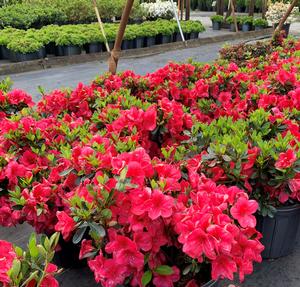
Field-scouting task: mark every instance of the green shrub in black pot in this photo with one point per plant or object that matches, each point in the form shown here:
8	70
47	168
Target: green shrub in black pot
69	43
150	32
217	21
231	23
260	24
246	22
165	30
26	49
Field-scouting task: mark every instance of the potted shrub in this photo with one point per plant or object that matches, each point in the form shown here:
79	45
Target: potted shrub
267	167
150	32
69	43
229	20
247	22
217	21
165	31
260	23
275	13
26	49
128	42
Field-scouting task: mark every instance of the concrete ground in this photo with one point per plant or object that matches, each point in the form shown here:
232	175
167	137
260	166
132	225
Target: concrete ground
284	272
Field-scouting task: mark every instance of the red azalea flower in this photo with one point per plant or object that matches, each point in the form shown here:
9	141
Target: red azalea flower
286	159
160	205
86	248
242	211
65	224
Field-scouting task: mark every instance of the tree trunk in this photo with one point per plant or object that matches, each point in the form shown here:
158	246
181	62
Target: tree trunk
251	7
188	10
220	7
287	14
115	53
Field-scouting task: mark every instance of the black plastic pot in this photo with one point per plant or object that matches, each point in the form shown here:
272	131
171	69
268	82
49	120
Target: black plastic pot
68	255
246	27
194	35
127	44
138	42
165	39
50	48
187	36
177	37
259	28
111	45
94	48
4	52
71	50
279	233
285	28
19	57
216	26
149	41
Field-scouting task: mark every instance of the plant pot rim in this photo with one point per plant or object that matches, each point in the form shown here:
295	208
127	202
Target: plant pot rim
284	209
210	283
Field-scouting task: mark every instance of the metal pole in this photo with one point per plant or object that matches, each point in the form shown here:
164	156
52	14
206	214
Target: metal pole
101	25
178	22
115	53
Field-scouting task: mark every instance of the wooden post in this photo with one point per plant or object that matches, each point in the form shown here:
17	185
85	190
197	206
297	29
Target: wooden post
181	9
287	14
264	9
101	25
220	7
234	16
188	10
251	7
115	53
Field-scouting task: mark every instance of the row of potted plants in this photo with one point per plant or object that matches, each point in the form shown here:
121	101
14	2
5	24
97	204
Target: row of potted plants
21	45
163	179
39	13
245	23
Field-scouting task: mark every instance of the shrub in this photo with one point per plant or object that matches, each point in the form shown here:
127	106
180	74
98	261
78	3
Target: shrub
260	22
25	45
217	18
246	20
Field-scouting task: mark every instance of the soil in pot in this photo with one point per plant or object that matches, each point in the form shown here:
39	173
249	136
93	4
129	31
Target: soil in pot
216	26
280	232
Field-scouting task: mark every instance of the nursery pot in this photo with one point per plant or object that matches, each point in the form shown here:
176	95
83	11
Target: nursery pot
50	48
187	36
194	35
259	28
94	48
280	232
285	28
165	39
68	255
127	44
150	41
246	27
139	42
71	50
19	57
216	25
4	52
177	37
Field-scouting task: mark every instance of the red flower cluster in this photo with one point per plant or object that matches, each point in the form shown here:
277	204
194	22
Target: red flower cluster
155	174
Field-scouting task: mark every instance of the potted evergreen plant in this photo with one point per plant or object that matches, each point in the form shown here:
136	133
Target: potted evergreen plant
246	22
217	21
260	23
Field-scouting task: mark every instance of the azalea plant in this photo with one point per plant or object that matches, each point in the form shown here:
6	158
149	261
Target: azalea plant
277	10
157	178
159	9
32	268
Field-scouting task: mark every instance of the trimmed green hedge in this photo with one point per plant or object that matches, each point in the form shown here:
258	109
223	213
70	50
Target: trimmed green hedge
39	13
79	35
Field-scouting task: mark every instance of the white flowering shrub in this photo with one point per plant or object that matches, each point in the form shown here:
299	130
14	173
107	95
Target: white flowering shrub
277	10
159	9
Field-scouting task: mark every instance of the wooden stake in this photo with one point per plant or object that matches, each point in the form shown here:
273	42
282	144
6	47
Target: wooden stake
287	14
101	25
115	53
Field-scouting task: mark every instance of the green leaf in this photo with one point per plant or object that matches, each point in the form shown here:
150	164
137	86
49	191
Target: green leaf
66	172
164	270
147	277
106	213
79	235
98	229
16	267
33	250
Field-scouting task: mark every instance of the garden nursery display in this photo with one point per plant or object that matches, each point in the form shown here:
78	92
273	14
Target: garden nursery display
182	177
